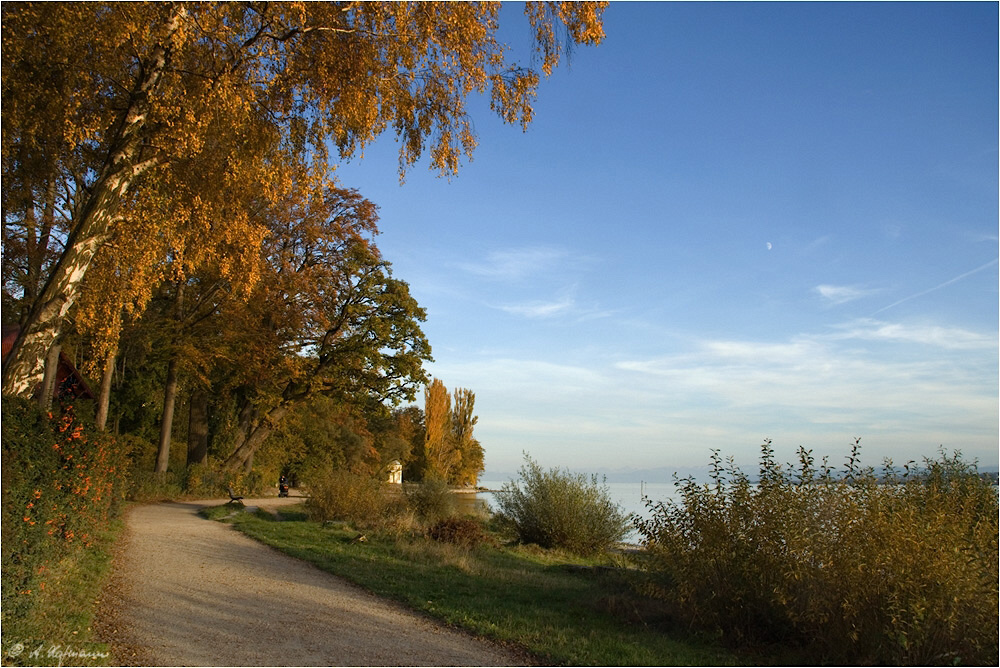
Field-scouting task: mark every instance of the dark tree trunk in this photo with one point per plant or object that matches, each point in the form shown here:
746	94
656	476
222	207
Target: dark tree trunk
104	398
198	429
166	424
170	391
49	378
254	438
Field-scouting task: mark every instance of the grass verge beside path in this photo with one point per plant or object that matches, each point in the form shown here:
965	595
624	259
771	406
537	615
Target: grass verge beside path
59	628
562	609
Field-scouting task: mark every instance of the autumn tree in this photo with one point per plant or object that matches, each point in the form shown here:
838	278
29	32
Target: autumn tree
449	451
320	435
470	452
440	454
109	105
397	433
326	318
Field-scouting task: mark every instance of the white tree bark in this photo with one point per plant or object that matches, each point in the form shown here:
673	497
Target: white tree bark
24	366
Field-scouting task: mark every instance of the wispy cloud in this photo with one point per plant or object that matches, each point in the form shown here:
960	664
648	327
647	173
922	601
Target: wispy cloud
841	294
818	378
865	378
950	281
951	338
516	264
521	377
817	243
892	230
534	282
540	309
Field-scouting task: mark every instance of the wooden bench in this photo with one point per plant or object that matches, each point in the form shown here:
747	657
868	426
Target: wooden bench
233	498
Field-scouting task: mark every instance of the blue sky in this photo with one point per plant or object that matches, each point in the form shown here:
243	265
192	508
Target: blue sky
728	222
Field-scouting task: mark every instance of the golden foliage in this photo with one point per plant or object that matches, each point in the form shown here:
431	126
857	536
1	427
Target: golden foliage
439	446
167	126
451	453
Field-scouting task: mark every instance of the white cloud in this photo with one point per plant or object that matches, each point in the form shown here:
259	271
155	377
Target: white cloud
817	243
904	389
539	309
841	294
670	410
536	381
817	380
951	338
517	263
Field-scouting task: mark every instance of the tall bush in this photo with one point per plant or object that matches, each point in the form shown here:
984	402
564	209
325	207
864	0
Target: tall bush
432	500
342	495
897	568
62	482
556	508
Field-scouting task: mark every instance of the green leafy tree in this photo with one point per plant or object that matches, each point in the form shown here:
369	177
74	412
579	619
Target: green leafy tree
357	339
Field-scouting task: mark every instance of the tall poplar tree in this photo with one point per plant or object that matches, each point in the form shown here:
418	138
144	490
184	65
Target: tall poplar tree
450	450
471	457
440	454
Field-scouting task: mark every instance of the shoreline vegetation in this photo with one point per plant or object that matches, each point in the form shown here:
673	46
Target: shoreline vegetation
803	565
799	564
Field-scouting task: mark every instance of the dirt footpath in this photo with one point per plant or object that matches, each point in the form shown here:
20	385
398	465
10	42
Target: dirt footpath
186	591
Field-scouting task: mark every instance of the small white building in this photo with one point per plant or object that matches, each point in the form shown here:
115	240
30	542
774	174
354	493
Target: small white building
395	472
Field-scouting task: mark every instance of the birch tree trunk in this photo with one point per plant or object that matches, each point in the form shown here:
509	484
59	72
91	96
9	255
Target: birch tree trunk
24	366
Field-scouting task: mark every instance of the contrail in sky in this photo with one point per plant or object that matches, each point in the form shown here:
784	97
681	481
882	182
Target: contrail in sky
938	287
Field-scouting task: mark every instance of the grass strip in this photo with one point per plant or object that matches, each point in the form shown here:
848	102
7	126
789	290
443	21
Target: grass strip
560	608
58	629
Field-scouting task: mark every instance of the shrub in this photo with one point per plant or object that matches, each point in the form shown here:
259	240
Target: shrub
431	499
464	531
246	483
204	480
341	495
893	569
149	487
560	509
61	486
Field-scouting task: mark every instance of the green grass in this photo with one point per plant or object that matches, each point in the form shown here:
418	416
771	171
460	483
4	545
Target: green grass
220	512
562	609
58	629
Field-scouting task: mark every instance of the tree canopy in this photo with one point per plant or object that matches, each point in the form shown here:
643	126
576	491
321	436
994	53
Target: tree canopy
158	129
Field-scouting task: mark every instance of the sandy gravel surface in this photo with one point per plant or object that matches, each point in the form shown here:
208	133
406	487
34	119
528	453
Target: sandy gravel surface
186	591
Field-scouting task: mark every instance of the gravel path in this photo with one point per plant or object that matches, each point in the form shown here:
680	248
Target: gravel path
186	591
